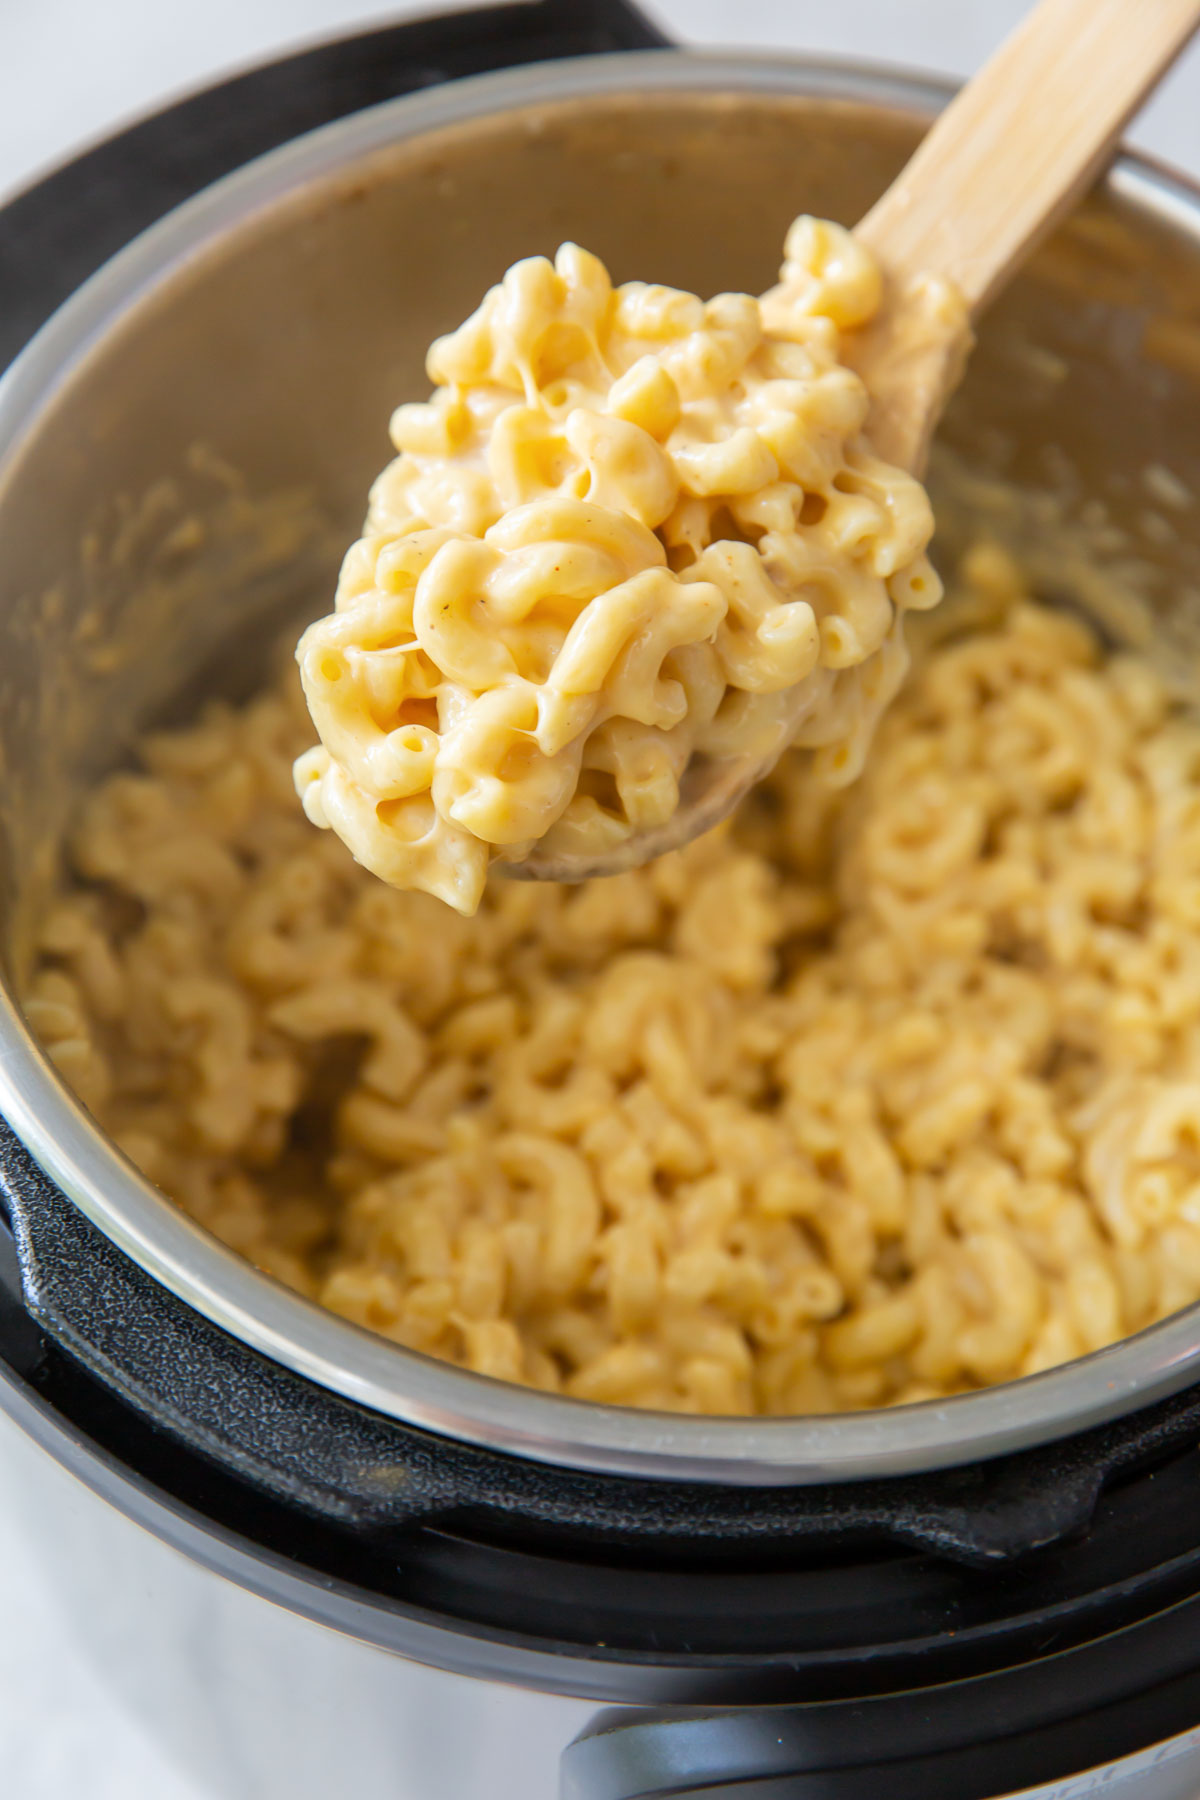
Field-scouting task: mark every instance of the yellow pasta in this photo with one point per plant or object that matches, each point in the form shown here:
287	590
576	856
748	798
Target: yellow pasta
874	1096
627	522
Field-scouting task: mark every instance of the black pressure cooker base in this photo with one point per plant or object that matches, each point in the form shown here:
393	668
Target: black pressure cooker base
628	1589
917	1679
1037	1725
334	1460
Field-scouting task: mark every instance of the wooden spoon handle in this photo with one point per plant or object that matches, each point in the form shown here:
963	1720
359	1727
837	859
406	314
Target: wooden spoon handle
1023	140
998	169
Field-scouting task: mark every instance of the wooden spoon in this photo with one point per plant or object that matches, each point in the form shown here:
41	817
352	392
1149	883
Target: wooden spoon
1008	157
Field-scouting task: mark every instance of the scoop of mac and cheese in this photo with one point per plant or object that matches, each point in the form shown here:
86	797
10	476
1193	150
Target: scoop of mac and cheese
630	527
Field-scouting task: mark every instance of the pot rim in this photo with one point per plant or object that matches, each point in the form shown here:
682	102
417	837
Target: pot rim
328	1350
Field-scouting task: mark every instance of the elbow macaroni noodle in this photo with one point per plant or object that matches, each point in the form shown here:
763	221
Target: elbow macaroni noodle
625	526
872	1096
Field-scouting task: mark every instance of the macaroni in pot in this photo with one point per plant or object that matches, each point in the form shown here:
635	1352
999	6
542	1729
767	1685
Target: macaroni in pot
629	527
874	1095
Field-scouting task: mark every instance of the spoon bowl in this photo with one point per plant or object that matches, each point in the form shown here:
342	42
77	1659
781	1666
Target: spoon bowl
709	790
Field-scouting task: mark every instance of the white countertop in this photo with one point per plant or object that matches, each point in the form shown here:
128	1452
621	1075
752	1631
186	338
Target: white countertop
70	71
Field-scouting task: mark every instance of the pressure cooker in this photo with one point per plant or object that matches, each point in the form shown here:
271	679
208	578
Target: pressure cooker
317	1561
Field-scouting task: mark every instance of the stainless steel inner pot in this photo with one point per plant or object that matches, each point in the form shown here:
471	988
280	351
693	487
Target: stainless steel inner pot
184	452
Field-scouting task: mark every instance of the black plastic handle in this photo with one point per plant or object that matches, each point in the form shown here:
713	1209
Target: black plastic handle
57	233
1099	1712
338	1461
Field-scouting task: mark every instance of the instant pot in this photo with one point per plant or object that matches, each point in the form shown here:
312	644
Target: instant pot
313	1560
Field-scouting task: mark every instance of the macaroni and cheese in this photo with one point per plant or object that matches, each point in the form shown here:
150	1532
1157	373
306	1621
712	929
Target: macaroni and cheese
630	527
874	1095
